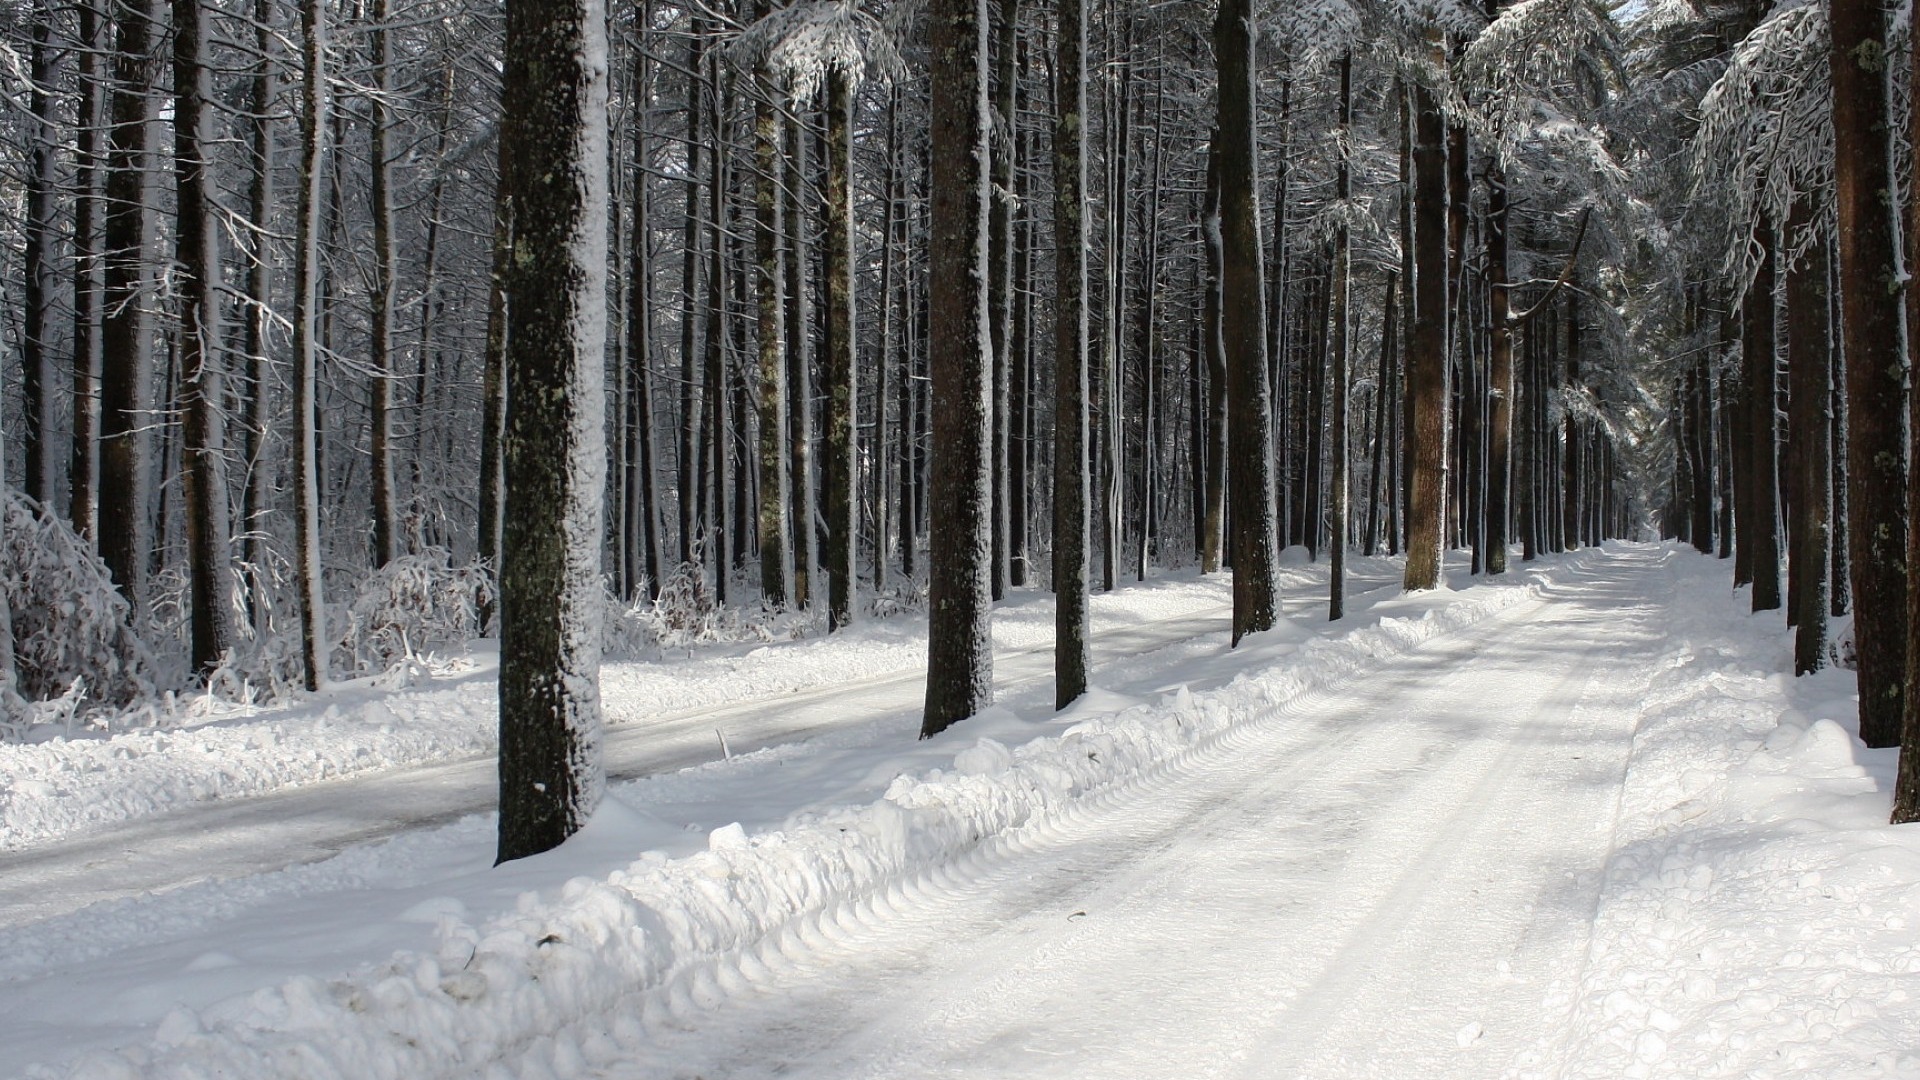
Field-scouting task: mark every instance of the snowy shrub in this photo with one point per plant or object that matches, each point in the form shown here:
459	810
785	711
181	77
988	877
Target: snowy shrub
907	599
72	642
688	613
411	606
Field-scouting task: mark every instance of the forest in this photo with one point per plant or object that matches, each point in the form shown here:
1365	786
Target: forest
335	330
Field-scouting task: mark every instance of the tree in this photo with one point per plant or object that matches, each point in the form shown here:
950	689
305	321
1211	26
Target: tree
1427	346
314	100
202	365
554	139
1250	491
1864	196
1071	483
959	543
125	532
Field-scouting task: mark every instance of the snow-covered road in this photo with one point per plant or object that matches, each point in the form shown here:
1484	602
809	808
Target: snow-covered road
1386	880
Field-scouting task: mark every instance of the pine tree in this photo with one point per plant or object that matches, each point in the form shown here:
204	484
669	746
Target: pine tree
554	139
959	499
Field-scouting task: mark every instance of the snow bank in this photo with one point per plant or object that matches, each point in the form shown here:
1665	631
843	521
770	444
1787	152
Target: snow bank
1759	918
67	786
665	936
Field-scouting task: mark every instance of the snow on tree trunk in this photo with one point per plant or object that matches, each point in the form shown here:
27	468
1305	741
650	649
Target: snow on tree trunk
776	562
959	498
380	437
1243	330
313	112
554	134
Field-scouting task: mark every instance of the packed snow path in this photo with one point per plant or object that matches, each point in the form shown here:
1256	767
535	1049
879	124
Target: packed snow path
226	838
1387	880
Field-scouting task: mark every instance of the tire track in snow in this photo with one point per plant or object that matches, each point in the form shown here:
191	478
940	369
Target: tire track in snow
986	968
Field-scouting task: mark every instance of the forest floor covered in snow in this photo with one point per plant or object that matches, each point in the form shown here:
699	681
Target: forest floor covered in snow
1574	824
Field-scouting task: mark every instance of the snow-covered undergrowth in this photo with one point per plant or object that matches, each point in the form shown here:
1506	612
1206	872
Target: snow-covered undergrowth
1758	919
65	786
679	934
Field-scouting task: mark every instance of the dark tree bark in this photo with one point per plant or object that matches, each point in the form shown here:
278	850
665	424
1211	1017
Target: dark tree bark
1000	281
36	355
1071	494
1338	484
1427	348
1757	353
554	134
643	509
259	318
1865	195
959	645
381	299
1809	365
1906	792
125	532
692	244
202	364
1500	365
83	471
1242	327
842	474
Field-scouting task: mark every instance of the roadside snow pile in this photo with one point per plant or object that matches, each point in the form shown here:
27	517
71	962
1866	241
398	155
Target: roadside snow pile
565	983
61	786
1759	918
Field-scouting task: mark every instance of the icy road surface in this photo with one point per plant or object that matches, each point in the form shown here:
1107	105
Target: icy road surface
1385	880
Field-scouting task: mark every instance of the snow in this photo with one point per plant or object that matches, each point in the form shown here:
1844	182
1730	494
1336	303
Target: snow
1571	824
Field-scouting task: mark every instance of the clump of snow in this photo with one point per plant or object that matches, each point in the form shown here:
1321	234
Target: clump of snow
73	645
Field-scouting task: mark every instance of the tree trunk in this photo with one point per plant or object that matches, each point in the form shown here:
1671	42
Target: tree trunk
1214	489
1809	371
776	561
1338	483
314	105
381	299
643	512
554	134
83	472
259	401
1865	194
1242	327
202	366
842	472
1427	348
1071	494
36	355
806	558
1000	281
959	646
125	531
1500	363
1020	446
1757	353
692	243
